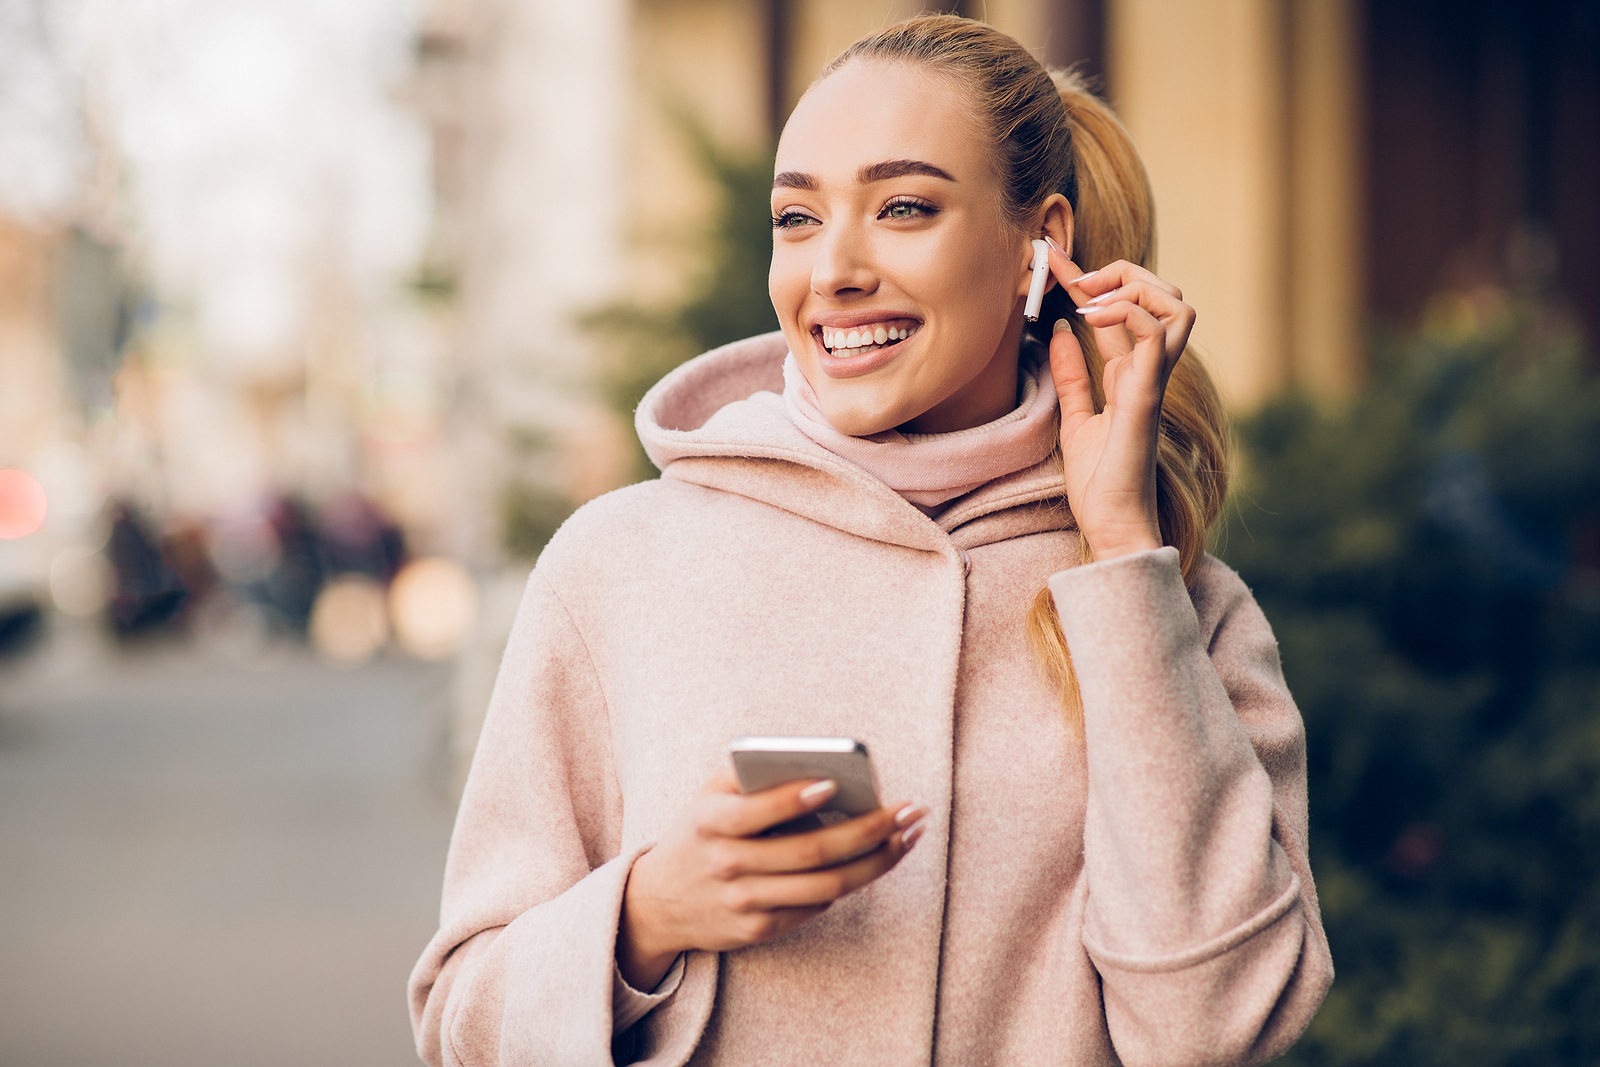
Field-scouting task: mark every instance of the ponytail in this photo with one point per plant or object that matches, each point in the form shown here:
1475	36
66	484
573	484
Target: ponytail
1052	135
1114	215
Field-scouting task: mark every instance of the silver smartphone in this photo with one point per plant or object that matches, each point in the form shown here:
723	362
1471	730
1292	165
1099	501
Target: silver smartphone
763	762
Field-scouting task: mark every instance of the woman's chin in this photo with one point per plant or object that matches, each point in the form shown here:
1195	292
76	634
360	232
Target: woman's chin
858	421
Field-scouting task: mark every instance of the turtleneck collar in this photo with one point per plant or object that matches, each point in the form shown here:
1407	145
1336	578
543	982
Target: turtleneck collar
929	470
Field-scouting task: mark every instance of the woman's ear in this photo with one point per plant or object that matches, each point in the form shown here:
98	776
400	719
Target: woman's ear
1056	222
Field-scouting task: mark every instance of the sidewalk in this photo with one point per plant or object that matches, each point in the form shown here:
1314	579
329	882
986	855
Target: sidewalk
205	865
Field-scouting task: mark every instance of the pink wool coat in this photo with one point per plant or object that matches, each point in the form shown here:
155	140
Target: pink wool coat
1138	895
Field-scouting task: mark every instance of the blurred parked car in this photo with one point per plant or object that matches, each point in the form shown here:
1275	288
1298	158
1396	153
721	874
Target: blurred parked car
23	593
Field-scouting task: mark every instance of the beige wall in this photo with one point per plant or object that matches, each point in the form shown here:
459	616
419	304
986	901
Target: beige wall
705	59
30	367
1243	111
1326	208
824	27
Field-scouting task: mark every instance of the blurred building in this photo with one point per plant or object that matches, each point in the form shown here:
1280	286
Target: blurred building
1323	168
320	250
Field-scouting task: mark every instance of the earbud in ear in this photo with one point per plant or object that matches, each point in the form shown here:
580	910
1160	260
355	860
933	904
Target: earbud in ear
1041	277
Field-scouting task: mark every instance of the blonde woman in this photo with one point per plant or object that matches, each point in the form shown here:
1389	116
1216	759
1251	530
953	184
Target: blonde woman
973	543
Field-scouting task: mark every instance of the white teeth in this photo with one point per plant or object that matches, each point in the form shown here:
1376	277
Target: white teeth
845	343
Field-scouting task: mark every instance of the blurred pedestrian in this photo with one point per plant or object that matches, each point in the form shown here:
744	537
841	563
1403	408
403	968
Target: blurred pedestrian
146	593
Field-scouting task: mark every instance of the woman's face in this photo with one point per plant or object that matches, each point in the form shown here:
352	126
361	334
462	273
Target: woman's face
896	277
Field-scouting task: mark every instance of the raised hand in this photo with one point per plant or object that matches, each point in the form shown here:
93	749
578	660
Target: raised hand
1141	326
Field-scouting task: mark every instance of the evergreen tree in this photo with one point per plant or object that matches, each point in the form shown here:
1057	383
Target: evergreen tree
1428	557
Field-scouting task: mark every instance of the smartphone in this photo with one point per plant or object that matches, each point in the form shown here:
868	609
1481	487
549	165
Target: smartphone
763	762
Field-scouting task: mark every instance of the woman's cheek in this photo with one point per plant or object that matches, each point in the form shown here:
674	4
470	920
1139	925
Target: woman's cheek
787	274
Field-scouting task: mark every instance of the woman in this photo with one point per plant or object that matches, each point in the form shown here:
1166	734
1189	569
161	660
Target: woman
881	525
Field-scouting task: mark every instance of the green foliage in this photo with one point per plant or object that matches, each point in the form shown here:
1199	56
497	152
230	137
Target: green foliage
728	300
1429	556
530	514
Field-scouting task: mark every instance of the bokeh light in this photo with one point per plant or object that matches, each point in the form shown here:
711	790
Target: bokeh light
22	504
348	623
79	582
433	604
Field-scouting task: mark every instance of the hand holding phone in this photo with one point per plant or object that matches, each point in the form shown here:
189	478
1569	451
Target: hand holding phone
714	883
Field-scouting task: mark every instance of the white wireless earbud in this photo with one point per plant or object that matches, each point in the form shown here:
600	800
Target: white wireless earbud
1041	276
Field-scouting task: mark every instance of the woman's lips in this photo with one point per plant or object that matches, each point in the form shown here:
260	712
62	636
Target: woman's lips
854	366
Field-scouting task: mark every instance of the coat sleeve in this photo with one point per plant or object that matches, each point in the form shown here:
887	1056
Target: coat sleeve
1201	916
522	970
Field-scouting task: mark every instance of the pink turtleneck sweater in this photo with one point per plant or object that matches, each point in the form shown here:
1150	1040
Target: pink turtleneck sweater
931	469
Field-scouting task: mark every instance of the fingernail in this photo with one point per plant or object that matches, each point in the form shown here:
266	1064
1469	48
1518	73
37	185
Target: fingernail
910	814
1051	241
1085	276
1061	324
1085	309
817	792
912	835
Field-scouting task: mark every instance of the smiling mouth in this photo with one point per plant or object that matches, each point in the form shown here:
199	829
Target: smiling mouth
848	342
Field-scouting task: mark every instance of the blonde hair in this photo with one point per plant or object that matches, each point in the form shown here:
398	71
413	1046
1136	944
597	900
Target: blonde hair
1053	135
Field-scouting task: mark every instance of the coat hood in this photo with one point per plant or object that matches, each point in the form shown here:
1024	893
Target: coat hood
719	421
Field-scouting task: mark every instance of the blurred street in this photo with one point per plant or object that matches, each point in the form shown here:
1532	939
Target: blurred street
209	864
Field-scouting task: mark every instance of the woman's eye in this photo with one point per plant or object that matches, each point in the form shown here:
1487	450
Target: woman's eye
906	209
788	220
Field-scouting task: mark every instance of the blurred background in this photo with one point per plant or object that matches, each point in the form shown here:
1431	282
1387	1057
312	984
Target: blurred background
317	319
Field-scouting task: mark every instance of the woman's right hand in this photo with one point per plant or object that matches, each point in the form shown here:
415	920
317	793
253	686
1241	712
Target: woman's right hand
711	883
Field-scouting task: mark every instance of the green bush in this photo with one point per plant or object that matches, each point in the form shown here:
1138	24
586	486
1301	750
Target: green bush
1428	557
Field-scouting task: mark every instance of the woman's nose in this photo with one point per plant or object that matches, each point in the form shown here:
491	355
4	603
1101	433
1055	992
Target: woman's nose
843	264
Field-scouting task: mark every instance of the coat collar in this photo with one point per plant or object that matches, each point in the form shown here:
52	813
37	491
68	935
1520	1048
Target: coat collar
718	420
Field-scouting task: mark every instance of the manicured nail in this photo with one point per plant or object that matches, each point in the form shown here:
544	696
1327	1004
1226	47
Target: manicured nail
1086	309
1061	324
1051	241
1103	298
817	792
912	835
1085	276
910	814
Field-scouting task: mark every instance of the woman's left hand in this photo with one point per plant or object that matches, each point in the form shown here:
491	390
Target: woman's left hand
1141	326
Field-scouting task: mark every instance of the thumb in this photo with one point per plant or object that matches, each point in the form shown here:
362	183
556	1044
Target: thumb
1070	372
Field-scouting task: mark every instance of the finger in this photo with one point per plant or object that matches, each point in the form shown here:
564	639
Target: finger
724	781
1153	297
764	892
745	815
1066	272
1070	372
829	846
1121	272
1178	319
1140	323
1134	392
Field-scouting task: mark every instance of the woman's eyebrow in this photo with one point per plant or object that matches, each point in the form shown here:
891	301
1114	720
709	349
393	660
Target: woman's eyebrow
872	172
793	179
899	168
